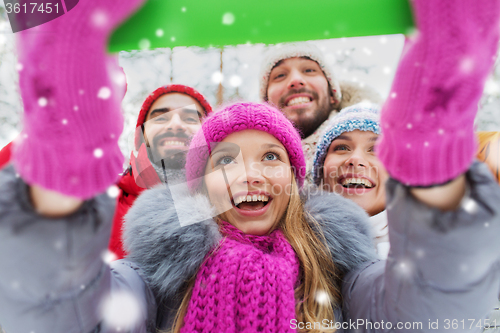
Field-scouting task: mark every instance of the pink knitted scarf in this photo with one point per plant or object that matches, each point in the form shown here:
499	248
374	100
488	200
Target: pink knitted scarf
245	285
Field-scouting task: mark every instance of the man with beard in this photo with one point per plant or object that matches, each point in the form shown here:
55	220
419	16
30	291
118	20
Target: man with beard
296	79
168	118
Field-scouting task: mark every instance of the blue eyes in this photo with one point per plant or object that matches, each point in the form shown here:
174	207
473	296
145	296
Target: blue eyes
340	147
270	157
225	160
347	148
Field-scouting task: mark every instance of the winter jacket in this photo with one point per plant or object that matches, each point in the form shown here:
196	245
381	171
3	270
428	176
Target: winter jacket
5	155
129	191
441	268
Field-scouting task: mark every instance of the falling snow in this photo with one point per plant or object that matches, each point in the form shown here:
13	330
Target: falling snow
322	297
104	93
99	18
113	191
98	153
466	65
235	81
217	77
121	311
108	257
469	205
228	18
144	44
42	102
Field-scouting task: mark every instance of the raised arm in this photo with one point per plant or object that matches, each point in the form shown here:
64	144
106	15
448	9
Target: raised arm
54	217
442	272
428	134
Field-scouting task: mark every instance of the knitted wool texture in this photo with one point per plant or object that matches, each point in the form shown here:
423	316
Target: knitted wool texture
430	112
284	51
72	91
361	116
238	117
247	284
171	88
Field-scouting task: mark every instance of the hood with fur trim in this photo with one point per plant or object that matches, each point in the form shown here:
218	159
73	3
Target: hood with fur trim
169	238
353	93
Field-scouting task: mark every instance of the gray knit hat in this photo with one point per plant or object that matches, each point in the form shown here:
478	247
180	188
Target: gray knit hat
285	51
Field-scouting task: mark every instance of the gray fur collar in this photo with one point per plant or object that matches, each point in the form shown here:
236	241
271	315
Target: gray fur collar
169	239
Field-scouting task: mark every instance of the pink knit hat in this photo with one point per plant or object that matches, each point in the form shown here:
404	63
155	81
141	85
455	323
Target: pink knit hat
239	117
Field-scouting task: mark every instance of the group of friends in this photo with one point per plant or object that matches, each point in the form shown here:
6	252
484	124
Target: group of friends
255	217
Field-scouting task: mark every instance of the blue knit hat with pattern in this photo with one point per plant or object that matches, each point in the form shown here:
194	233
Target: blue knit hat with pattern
362	116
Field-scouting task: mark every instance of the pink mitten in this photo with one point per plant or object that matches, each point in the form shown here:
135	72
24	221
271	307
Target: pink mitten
72	90
427	122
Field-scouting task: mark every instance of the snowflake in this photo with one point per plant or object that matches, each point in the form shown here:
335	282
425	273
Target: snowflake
104	93
235	81
121	311
42	101
228	18
98	153
217	77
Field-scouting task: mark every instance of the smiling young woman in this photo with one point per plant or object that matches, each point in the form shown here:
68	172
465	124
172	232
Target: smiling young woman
251	171
346	163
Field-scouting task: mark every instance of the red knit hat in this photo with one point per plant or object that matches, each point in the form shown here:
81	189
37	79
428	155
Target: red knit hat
171	88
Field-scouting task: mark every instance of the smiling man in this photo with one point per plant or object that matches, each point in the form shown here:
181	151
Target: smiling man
296	79
168	119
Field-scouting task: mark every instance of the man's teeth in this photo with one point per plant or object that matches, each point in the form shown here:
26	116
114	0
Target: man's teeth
356	181
250	198
174	143
298	100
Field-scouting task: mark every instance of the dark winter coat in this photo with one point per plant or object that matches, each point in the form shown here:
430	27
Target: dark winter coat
441	265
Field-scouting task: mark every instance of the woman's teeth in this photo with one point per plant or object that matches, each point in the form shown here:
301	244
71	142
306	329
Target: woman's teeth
298	100
356	181
250	198
174	143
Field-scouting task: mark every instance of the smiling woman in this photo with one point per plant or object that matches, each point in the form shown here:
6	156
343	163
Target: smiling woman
251	171
257	178
345	161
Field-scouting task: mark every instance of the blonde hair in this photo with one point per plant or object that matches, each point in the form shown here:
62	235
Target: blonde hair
319	290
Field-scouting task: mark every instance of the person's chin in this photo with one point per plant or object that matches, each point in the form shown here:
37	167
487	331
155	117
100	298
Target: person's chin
296	113
256	228
174	159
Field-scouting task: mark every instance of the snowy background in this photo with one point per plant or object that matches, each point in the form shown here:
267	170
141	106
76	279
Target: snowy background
228	74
